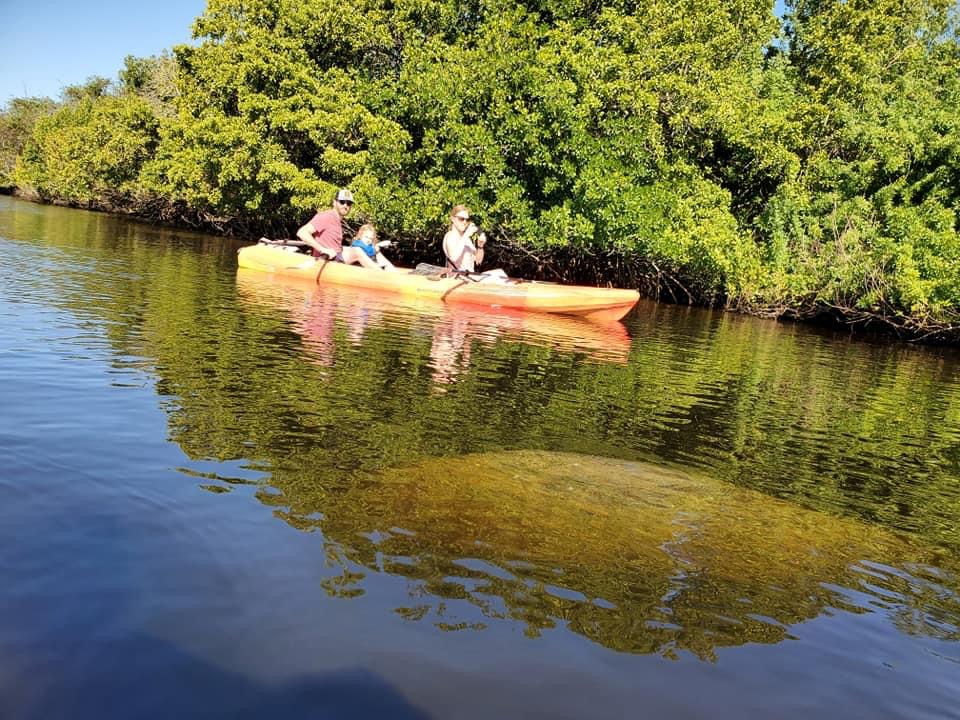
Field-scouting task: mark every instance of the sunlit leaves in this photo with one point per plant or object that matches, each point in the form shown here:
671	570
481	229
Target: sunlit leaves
89	151
16	126
871	221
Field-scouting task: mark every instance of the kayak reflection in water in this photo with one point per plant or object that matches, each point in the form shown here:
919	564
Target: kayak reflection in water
449	350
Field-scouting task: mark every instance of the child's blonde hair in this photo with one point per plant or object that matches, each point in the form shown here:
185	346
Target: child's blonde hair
363	228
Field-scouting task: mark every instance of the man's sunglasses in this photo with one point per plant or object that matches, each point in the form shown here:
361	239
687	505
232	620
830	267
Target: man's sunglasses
348	203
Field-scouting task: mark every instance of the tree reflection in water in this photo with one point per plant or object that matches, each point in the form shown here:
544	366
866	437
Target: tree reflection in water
635	557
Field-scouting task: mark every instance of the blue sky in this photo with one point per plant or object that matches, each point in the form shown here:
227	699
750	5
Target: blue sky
46	45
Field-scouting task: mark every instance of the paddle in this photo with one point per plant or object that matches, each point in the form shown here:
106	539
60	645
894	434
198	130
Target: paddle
282	243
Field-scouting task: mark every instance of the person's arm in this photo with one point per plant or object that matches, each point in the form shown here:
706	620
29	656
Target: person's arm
453	248
481	242
305	233
475	246
381	259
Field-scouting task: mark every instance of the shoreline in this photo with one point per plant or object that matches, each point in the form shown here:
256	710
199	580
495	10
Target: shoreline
623	271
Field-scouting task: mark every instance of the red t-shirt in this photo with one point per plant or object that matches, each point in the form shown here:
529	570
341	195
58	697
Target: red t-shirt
327	230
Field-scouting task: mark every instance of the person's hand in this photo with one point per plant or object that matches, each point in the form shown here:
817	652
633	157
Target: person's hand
481	240
471	229
384	243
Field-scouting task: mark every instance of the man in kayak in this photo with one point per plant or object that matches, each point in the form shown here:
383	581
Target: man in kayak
324	233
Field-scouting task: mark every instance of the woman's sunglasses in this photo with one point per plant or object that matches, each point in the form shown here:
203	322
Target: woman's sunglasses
461	217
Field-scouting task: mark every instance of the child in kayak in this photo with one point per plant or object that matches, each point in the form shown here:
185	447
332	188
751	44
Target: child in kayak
366	240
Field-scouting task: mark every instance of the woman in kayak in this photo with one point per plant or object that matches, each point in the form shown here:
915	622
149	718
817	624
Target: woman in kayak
462	254
366	240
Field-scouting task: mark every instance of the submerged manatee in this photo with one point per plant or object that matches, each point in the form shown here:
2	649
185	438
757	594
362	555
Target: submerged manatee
637	557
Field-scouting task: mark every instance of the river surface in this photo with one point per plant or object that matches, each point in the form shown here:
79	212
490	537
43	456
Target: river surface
226	495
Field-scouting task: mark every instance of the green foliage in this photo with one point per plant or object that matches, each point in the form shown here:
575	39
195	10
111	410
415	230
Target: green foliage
562	129
16	126
870	225
572	135
263	133
94	87
153	79
88	152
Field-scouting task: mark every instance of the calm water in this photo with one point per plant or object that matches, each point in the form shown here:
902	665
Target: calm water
231	496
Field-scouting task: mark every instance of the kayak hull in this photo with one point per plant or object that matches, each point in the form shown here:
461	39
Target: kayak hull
588	302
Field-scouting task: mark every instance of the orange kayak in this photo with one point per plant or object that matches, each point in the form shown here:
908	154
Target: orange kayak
604	304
